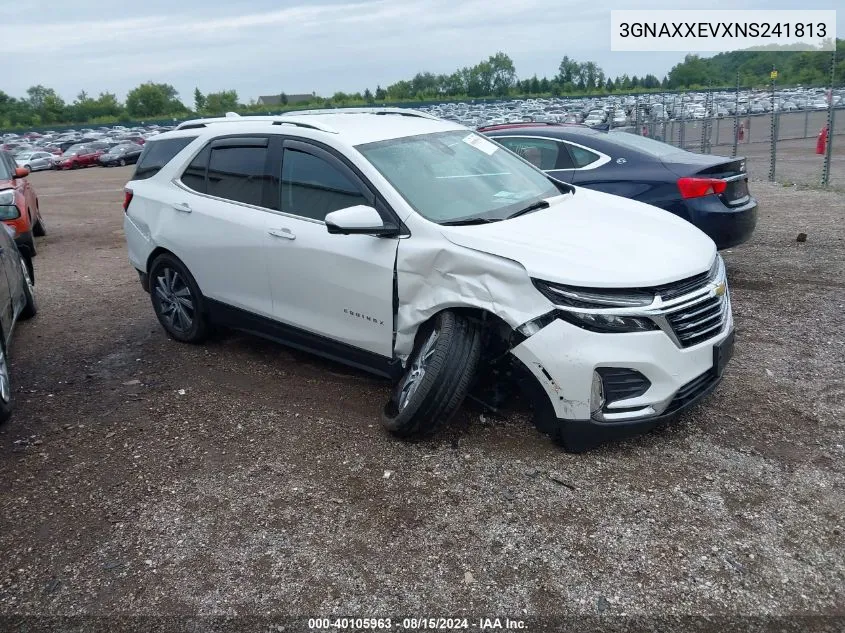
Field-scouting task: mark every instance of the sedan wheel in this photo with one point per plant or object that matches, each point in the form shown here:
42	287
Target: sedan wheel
123	162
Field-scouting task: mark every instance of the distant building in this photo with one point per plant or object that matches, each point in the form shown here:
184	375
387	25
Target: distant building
276	100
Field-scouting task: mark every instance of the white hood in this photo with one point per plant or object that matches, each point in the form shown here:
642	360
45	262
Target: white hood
595	240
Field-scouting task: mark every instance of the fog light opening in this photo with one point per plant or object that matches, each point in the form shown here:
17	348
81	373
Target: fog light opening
596	396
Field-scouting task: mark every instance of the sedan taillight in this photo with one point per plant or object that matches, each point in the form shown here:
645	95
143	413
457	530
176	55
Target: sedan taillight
700	187
127	198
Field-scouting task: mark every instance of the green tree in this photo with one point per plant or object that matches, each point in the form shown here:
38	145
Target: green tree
503	73
152	99
283	98
381	93
221	102
199	100
368	96
49	106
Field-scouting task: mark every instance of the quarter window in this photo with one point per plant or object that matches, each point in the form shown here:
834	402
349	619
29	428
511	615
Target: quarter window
157	154
312	187
237	173
541	152
582	157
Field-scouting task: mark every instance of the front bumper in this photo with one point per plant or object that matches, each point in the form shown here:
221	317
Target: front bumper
562	358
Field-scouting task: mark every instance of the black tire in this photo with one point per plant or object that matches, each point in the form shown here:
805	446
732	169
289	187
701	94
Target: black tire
30	308
171	285
123	162
448	365
6	403
39	229
31	246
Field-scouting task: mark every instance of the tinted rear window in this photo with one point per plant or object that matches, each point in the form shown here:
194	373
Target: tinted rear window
157	154
643	144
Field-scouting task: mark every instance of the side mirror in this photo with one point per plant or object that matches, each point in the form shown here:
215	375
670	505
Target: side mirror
21	172
358	220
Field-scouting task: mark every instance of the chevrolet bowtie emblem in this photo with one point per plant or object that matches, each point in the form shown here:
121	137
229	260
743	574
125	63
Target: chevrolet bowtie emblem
720	289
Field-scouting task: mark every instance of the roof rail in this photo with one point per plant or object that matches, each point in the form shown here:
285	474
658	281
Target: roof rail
273	120
371	110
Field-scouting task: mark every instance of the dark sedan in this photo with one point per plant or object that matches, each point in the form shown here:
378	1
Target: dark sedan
121	155
709	191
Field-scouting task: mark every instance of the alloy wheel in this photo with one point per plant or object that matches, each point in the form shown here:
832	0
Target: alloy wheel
26	276
409	384
5	387
176	304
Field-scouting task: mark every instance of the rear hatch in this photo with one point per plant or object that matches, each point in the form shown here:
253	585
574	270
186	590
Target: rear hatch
730	170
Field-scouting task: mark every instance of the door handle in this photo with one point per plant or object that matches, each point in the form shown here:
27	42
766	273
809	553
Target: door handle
284	233
182	207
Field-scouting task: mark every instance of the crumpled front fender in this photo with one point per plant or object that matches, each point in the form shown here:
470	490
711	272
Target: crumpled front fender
435	275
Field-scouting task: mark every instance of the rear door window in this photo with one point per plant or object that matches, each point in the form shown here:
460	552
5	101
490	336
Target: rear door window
157	154
238	174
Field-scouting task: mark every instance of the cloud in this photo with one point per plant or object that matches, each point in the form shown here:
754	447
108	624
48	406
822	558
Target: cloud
266	46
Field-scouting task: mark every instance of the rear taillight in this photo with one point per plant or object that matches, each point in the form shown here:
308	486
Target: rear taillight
127	198
700	187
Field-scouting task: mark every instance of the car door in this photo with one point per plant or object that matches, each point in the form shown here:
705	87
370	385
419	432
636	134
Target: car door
217	219
8	283
336	286
545	153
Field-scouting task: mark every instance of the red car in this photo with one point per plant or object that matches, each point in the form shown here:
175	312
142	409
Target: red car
79	156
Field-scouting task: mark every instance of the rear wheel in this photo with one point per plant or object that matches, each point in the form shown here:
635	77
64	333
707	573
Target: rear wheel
123	162
39	229
177	300
437	378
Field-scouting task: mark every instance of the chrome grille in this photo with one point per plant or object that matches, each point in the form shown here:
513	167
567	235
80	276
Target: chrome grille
698	321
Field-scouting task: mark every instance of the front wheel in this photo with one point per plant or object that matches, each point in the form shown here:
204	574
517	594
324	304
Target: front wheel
177	300
5	383
437	378
30	308
123	162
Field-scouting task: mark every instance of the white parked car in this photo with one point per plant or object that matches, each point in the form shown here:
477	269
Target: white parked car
34	161
421	251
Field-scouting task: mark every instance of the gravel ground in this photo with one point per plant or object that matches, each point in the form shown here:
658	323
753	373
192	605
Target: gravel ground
240	478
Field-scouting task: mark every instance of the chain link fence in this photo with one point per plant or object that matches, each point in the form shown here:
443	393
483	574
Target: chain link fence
805	150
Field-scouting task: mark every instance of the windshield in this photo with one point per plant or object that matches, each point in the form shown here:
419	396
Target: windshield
451	176
76	149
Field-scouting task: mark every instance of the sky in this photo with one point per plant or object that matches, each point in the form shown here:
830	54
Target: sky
301	46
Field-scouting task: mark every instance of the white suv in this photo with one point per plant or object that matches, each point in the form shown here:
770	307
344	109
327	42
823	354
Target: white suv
419	250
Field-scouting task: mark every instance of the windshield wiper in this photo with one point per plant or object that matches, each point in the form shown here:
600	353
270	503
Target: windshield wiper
534	206
468	221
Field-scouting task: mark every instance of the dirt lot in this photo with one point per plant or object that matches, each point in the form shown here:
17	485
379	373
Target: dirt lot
147	477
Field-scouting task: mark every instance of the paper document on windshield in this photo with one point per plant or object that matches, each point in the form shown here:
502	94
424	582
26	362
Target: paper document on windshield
478	142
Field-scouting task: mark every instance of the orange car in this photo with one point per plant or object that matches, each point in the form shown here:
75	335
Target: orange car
19	205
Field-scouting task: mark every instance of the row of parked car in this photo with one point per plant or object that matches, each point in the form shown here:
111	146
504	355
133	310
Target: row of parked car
621	110
87	147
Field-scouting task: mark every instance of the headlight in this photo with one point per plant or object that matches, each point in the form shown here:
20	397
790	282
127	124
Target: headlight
570	296
608	323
